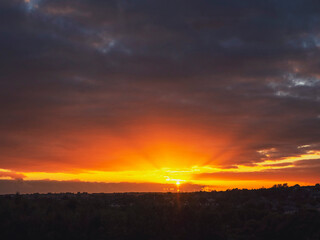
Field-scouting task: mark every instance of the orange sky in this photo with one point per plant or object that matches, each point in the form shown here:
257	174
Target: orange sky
152	154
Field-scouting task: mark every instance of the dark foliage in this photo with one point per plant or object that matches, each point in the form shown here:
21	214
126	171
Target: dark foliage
278	213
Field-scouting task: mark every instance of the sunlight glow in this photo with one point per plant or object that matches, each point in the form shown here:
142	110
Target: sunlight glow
175	176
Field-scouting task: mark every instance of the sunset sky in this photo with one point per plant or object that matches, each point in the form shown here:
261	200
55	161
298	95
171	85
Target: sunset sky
218	94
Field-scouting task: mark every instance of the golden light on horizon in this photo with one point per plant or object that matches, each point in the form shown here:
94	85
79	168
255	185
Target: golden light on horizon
221	178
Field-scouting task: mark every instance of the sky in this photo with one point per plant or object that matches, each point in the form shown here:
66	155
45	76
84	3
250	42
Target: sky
126	93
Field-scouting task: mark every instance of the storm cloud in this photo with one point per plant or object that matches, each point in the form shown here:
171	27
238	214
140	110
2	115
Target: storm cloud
81	80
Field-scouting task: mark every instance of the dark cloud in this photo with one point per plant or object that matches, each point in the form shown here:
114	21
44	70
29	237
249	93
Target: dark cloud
308	163
243	75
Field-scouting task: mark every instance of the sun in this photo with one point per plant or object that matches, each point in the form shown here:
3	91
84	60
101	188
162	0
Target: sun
178	182
178	185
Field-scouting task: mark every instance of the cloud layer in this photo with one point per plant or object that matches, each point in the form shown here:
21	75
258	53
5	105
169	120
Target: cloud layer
120	85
